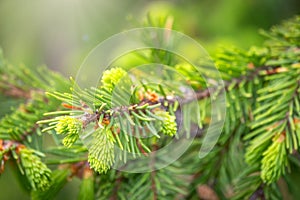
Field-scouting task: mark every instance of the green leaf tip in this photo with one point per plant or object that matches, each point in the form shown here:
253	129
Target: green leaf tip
111	77
35	170
101	154
274	160
71	127
168	123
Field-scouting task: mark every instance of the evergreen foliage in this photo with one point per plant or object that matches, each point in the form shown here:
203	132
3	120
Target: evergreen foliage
258	147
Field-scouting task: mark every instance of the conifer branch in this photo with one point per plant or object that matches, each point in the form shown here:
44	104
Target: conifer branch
201	94
15	92
259	142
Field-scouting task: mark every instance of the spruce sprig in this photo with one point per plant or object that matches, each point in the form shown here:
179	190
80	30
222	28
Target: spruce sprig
260	140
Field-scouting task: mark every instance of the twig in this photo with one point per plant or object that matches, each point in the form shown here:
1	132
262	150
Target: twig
201	94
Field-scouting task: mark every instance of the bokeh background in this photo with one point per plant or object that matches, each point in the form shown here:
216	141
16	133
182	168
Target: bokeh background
60	34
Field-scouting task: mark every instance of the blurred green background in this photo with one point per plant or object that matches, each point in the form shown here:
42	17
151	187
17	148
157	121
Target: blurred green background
60	33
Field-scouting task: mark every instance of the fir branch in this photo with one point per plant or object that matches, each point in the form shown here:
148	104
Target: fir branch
30	165
265	114
22	81
202	94
24	118
16	92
